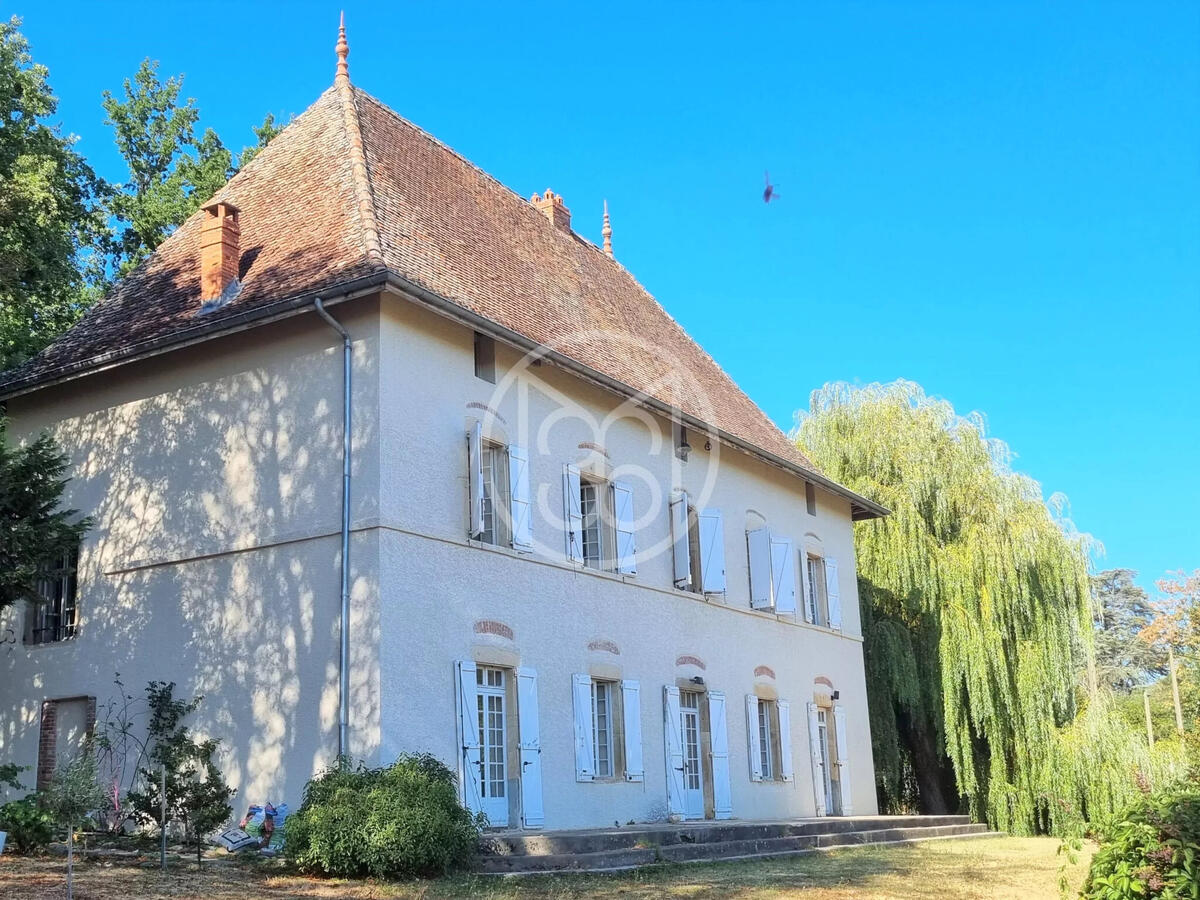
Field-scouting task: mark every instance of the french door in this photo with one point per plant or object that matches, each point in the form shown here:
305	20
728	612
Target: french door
823	740
490	705
693	774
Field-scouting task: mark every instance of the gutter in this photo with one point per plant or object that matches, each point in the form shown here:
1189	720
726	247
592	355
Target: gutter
344	651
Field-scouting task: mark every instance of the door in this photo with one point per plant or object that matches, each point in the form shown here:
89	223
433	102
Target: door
693	775
823	741
491	708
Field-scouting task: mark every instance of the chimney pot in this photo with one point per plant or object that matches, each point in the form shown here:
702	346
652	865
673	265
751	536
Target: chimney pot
553	208
220	251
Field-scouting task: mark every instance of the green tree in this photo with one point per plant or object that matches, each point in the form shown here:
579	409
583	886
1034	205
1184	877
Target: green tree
34	528
196	795
976	617
170	172
71	795
53	235
265	133
1124	659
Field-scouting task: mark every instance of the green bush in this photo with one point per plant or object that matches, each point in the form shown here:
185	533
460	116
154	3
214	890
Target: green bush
29	826
398	822
1153	850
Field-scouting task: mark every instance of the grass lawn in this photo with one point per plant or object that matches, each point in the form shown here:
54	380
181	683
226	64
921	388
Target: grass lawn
1026	868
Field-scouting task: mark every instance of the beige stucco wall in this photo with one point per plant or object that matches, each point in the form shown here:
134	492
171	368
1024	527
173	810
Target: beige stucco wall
213	476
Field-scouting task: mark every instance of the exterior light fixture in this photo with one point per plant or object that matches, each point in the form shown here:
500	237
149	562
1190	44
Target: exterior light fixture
684	448
698	679
837	695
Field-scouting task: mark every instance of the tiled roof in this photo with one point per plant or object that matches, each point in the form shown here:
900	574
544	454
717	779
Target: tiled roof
439	222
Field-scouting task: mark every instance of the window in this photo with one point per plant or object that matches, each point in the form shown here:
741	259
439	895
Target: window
765	714
485	358
496	524
597	519
810	498
815	595
602	728
52	617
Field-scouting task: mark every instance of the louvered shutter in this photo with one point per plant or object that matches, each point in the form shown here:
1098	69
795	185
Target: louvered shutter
673	741
518	492
785	739
758	547
818	768
585	763
783	574
833	594
631	718
572	513
807	589
712	551
532	813
843	760
622	496
755	739
468	735
719	740
679	541
475	488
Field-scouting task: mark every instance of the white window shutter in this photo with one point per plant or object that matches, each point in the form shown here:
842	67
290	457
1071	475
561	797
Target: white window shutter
573	513
818	768
468	735
475	461
712	551
532	813
622	496
833	594
585	764
518	492
843	759
785	739
673	740
679	541
755	739
806	590
722	796
631	718
758	546
783	574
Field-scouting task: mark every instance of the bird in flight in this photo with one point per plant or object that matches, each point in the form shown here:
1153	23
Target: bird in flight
769	192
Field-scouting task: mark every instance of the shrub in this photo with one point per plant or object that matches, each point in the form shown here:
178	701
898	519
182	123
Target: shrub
29	827
1153	850
398	822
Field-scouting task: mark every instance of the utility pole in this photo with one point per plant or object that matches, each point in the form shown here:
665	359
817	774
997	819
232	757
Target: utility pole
1149	723
1175	689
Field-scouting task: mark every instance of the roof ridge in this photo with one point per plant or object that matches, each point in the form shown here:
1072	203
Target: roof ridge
358	167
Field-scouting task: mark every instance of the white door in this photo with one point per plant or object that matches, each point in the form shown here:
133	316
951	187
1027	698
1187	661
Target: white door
490	704
693	775
823	740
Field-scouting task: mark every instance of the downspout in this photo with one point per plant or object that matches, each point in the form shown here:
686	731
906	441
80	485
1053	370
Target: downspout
344	655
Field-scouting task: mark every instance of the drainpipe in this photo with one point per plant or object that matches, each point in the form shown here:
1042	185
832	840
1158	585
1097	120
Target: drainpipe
344	656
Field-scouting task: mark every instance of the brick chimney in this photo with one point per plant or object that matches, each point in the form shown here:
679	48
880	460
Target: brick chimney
220	252
553	208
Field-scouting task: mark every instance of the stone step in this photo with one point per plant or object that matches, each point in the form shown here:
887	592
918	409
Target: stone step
556	843
697	851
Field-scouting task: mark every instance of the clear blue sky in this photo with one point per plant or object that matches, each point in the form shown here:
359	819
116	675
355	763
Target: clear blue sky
1000	203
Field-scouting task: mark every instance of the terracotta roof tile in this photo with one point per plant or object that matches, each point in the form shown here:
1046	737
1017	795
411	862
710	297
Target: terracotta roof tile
444	225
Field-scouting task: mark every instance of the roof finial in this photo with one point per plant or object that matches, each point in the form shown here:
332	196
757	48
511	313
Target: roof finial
343	50
607	231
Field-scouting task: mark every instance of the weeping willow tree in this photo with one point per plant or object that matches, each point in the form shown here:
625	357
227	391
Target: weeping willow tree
976	613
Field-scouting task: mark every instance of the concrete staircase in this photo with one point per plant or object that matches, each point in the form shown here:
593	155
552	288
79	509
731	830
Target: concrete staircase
610	849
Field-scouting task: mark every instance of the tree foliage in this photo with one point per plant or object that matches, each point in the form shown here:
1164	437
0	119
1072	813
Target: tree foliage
71	795
976	616
171	171
34	528
265	133
1125	659
53	234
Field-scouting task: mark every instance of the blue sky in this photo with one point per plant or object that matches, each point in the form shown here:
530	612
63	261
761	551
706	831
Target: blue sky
998	201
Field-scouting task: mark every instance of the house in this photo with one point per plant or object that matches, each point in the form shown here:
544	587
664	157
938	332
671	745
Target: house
576	562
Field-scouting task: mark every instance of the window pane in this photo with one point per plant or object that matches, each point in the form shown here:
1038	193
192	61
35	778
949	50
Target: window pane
589	506
764	737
